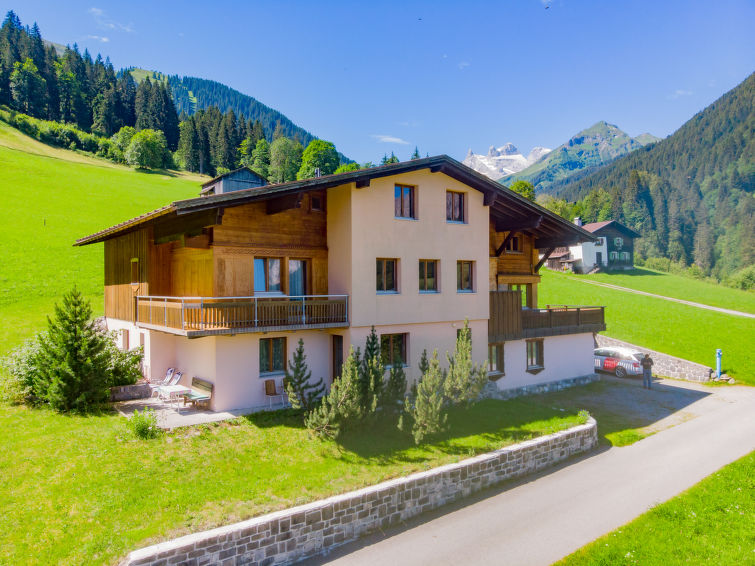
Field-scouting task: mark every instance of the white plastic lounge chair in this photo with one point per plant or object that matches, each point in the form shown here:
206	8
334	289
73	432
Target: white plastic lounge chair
165	381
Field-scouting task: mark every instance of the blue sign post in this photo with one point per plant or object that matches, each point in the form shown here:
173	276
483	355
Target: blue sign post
718	362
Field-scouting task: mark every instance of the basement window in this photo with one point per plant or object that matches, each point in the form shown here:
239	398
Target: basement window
535	356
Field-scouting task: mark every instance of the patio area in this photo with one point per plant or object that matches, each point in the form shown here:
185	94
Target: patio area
172	415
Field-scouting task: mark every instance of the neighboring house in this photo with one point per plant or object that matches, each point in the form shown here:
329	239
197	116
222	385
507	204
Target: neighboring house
237	180
613	248
224	286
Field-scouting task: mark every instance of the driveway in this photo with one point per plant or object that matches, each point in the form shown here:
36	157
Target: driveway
541	519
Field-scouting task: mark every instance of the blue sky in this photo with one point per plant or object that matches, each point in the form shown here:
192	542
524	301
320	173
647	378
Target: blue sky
376	77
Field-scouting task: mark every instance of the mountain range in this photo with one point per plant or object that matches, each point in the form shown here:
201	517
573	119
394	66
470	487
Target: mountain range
504	160
586	151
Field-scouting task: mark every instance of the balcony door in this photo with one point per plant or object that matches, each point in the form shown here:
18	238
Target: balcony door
297	277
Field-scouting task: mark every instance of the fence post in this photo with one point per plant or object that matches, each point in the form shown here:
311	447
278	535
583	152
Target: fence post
201	314
183	311
150	310
579	316
304	310
255	312
165	312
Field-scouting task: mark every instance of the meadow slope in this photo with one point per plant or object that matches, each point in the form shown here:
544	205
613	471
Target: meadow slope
52	197
676	329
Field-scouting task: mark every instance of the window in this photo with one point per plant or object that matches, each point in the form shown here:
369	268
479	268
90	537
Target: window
465	276
393	348
297	277
514	245
534	356
428	276
316	202
454	206
624	256
134	270
272	355
387	276
618	242
495	359
403	202
267	275
613	255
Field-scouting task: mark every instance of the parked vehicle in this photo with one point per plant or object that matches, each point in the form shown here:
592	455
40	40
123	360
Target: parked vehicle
619	361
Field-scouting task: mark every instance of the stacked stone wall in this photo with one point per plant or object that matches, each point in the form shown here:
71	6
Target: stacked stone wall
293	534
663	364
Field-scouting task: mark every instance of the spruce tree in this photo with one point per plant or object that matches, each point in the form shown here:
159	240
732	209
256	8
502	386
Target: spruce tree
73	368
302	393
465	380
371	372
416	154
394	390
428	414
339	410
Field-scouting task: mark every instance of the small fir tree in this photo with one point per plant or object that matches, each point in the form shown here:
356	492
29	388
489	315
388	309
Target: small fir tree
465	380
302	393
73	361
371	372
395	389
340	408
428	414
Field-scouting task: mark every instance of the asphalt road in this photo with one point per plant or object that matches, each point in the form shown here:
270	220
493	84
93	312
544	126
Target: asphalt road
546	517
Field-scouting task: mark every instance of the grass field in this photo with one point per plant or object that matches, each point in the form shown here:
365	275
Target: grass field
52	197
83	490
679	287
672	328
711	523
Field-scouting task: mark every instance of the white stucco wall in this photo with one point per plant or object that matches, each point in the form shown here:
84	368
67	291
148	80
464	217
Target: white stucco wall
587	252
564	357
374	232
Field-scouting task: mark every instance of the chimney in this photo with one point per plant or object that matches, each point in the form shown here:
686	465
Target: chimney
578	221
317	172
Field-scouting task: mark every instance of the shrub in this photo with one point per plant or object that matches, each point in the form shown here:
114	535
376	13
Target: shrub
658	263
18	370
144	424
124	367
302	393
583	416
743	279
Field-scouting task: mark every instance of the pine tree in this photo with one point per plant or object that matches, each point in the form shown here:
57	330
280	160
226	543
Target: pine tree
339	410
428	414
416	154
73	358
302	393
188	145
371	372
394	390
170	123
465	380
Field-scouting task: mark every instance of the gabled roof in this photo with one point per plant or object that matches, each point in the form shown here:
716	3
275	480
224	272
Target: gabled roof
244	168
509	210
595	227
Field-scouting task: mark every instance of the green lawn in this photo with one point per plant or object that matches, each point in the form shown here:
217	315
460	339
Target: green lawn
679	287
711	523
51	197
82	490
673	328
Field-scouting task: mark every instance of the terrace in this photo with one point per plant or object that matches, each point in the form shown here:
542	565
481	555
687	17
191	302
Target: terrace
207	316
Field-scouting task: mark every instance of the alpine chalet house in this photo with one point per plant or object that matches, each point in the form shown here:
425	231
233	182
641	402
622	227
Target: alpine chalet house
223	286
613	247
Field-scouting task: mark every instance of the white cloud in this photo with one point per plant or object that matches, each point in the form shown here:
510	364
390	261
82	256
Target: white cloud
104	22
678	93
463	65
385	138
101	38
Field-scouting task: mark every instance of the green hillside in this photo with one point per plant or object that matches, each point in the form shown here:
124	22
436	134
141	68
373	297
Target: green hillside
51	197
597	145
680	330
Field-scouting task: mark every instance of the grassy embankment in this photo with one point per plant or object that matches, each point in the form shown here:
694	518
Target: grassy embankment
680	330
711	523
82	490
51	197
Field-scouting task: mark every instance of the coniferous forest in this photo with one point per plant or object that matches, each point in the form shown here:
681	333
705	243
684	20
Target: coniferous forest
691	195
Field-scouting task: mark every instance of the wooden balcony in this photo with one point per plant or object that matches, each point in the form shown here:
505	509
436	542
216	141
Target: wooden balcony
208	316
509	321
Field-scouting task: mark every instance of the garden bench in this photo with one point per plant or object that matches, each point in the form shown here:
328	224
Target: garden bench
201	392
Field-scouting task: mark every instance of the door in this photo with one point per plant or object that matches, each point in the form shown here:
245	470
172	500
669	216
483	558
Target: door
337	356
599	258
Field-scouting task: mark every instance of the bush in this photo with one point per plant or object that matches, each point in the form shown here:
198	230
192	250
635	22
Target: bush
144	424
743	279
124	367
18	370
147	149
658	263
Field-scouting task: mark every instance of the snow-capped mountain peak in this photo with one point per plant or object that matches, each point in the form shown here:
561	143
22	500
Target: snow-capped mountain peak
503	160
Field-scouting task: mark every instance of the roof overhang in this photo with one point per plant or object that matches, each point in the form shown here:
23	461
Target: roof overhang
508	210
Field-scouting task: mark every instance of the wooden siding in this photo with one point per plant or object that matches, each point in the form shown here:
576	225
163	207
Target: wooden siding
511	262
191	272
505	321
119	290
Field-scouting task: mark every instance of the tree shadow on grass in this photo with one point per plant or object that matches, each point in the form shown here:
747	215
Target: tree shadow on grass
634	271
291	418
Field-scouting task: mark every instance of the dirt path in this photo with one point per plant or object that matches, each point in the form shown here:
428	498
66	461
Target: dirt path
682	301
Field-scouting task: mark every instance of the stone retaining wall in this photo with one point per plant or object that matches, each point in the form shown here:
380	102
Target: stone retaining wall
663	364
128	392
293	534
491	390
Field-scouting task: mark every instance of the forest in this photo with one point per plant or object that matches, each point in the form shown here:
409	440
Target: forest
691	195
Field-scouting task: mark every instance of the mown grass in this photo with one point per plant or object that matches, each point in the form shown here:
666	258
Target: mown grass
680	330
679	287
51	197
711	523
83	490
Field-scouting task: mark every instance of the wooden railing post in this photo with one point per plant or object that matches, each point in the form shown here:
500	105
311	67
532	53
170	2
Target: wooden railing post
579	316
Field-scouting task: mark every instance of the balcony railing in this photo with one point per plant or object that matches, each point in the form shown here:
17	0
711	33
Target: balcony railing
204	316
510	321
